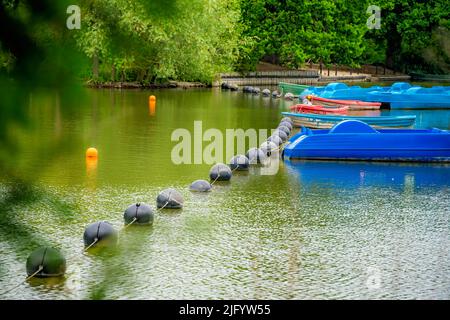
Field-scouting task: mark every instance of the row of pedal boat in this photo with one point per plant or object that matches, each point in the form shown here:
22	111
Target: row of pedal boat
400	95
322	113
331	130
340	136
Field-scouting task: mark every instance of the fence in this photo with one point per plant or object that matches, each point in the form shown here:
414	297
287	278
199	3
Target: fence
317	73
271	78
335	69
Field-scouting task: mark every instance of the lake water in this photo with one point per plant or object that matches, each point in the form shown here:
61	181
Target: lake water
320	230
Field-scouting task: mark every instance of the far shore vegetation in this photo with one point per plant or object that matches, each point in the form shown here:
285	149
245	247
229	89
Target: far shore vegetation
154	42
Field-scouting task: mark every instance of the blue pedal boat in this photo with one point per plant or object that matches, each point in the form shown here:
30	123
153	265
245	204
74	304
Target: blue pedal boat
437	97
323	121
341	91
356	140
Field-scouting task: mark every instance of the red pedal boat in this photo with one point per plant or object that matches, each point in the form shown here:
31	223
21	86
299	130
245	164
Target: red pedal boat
306	108
352	104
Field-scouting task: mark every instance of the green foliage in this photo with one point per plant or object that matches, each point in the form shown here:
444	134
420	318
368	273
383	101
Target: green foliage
155	41
308	30
411	29
335	31
183	40
34	41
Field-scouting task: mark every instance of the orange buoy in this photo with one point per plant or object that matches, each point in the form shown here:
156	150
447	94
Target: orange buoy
151	98
91	153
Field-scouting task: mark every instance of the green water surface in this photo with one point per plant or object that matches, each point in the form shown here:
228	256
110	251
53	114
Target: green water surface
320	230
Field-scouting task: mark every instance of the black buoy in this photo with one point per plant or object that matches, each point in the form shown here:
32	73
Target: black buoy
268	147
286	124
276	94
289	96
200	186
285	129
220	172
280	134
275	139
139	213
239	163
46	262
169	199
287	119
256	156
100	233
248	89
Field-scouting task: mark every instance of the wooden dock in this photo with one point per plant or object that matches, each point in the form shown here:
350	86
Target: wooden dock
271	79
352	78
270	75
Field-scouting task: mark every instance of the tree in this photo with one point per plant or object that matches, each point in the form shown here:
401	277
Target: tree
413	34
157	41
298	31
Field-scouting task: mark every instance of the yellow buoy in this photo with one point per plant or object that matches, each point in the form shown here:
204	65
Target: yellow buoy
91	153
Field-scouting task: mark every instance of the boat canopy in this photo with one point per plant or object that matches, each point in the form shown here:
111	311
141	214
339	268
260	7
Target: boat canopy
400	86
352	126
336	86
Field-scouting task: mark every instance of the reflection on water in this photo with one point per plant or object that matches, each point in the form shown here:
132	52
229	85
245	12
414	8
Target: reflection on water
352	175
314	230
426	118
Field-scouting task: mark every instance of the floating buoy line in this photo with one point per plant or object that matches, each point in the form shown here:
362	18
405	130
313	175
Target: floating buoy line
257	91
45	262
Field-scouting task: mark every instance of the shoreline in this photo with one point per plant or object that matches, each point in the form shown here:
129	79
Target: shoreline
137	85
242	82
